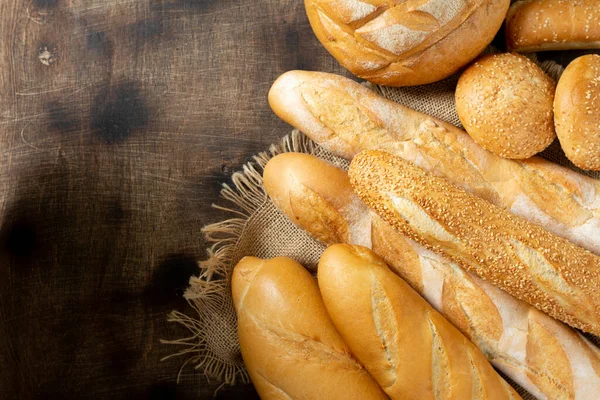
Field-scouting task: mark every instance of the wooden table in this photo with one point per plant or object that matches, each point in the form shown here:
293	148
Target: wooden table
119	120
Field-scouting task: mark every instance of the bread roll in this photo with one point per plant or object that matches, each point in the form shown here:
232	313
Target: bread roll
515	337
289	344
504	101
405	43
577	112
346	118
408	347
538	25
525	260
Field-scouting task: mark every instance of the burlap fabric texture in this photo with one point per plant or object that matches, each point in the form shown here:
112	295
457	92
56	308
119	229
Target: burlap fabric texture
258	228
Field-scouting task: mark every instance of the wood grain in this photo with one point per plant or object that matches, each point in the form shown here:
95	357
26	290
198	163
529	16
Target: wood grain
119	120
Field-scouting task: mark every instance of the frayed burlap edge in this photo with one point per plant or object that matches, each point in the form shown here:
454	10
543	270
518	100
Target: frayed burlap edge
208	293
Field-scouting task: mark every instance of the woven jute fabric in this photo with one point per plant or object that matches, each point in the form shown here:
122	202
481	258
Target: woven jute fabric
257	228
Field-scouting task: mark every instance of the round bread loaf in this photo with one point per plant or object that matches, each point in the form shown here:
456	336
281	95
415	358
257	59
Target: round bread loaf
404	43
577	112
504	102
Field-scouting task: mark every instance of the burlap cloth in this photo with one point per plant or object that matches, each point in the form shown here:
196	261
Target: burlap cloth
258	228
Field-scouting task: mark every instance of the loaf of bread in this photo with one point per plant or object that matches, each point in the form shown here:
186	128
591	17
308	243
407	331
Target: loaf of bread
346	118
525	260
538	25
408	347
577	112
515	337
408	42
505	102
289	344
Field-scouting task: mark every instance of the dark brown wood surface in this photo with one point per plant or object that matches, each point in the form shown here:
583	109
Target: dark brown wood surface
119	120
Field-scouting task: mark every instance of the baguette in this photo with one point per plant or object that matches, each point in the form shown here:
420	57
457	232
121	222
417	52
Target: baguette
538	25
515	337
525	260
289	344
408	347
346	118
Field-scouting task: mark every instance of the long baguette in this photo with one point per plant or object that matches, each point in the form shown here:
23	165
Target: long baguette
538	25
408	347
541	354
346	118
288	341
525	260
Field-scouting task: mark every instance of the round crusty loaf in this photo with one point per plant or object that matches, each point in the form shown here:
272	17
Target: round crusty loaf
577	112
504	101
405	43
288	341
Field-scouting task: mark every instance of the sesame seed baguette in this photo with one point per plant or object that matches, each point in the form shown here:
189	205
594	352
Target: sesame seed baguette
411	350
539	25
548	272
346	118
514	336
290	346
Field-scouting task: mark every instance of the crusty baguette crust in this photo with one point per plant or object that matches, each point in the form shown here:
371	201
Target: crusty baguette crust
525	260
408	347
540	25
405	43
288	341
576	109
346	118
505	329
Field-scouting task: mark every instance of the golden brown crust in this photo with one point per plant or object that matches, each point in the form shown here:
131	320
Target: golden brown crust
397	252
496	322
528	262
346	118
544	353
314	195
287	338
504	101
405	43
470	308
409	348
577	107
328	225
538	25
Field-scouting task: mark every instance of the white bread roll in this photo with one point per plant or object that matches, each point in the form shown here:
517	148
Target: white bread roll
523	259
405	43
577	112
407	346
289	344
346	118
505	103
541	354
539	25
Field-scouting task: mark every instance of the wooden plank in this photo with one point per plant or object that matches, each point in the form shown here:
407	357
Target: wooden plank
119	119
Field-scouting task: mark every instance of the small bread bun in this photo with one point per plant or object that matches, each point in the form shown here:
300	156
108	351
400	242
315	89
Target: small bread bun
577	112
504	101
